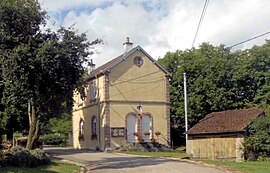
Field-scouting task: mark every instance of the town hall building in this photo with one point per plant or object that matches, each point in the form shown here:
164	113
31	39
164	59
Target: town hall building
127	101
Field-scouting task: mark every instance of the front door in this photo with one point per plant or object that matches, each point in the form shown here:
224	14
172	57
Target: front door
131	128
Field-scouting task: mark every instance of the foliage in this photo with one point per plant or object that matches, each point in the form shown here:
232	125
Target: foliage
54	166
57	130
62	126
41	158
53	139
258	141
4	158
21	157
40	69
217	79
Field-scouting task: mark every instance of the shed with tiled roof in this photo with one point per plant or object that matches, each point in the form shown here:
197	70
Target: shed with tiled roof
219	135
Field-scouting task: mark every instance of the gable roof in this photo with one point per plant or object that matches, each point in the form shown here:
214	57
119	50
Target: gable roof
101	70
225	121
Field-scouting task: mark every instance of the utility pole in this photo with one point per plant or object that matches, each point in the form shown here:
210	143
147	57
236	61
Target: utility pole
186	104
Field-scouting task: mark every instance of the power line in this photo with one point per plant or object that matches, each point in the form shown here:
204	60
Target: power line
249	39
200	22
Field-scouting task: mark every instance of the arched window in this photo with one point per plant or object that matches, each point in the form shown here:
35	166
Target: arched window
131	127
81	128
94	127
146	127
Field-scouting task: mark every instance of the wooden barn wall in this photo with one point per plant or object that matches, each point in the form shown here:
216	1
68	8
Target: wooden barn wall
225	146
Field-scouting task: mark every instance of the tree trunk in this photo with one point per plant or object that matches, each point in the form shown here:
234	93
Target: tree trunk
33	126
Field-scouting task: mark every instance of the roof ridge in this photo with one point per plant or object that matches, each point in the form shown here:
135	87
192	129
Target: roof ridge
110	64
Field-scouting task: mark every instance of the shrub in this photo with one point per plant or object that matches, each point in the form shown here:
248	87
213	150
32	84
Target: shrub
39	158
53	139
4	158
257	143
3	138
21	157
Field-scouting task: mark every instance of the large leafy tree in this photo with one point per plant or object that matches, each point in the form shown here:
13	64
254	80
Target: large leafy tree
40	69
218	79
209	71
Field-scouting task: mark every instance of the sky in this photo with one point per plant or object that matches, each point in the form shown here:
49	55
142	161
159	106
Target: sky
160	26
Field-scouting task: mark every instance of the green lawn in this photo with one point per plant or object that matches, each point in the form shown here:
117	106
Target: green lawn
54	167
250	167
157	154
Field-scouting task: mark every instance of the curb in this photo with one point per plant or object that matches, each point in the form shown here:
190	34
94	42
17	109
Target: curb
83	169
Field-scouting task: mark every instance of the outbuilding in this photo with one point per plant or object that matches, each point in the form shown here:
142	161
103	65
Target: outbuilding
220	134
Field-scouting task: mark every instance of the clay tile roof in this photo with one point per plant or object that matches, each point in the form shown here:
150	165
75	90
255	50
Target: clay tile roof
225	121
99	71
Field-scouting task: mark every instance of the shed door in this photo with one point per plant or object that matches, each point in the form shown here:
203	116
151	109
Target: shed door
146	127
131	128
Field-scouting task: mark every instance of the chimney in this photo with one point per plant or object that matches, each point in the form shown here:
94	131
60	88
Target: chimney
90	66
127	45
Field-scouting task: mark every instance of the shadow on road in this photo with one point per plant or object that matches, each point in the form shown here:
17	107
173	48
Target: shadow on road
54	151
94	160
124	162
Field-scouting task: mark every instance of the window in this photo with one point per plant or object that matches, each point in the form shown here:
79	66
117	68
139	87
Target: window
94	127
92	91
138	61
80	100
81	129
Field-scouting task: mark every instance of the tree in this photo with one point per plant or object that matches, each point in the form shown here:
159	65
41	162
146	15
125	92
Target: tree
209	71
61	126
40	69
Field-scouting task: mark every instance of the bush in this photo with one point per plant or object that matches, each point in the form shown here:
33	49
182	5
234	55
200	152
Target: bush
53	139
22	157
257	143
40	158
4	158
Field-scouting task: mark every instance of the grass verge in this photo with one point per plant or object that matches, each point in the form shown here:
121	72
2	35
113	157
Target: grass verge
54	167
250	167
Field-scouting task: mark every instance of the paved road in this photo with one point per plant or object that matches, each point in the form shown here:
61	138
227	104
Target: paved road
104	162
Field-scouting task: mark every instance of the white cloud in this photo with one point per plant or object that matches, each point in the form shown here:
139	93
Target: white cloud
160	26
58	5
